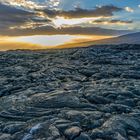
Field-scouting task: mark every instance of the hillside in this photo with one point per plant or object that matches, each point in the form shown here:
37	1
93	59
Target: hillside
132	38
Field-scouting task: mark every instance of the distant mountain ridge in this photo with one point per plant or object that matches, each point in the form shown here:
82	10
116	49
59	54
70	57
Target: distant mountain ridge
132	38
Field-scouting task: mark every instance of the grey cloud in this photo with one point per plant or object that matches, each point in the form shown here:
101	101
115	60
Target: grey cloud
10	16
113	21
104	11
77	30
13	16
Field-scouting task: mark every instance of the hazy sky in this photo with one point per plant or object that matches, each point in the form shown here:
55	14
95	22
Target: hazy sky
55	22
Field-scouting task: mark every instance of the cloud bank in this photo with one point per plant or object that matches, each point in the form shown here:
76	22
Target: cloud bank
24	18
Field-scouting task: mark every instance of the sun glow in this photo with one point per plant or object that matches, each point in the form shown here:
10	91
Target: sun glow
45	41
57	40
61	21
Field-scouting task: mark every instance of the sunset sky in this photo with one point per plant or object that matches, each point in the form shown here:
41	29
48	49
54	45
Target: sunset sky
33	24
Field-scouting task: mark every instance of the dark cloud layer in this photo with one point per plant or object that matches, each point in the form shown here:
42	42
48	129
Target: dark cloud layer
11	16
103	11
113	21
50	30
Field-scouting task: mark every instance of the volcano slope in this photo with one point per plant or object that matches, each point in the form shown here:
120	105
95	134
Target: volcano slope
71	94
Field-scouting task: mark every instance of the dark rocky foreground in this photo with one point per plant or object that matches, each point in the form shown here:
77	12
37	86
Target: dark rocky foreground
71	94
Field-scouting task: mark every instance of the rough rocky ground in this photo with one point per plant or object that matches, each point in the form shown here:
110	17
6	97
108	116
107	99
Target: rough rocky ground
71	94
